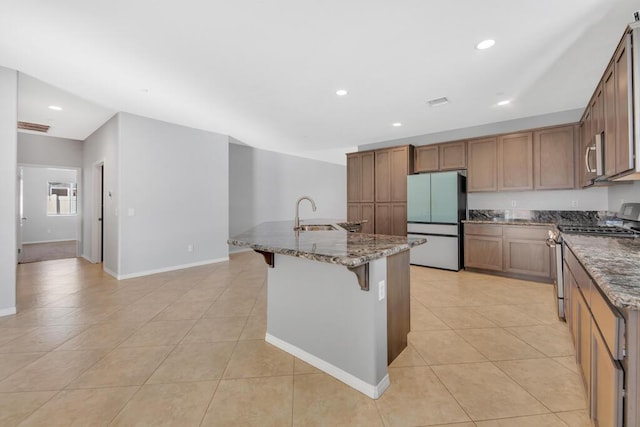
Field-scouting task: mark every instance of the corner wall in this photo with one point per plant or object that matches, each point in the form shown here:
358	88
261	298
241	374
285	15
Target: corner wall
173	187
8	191
264	186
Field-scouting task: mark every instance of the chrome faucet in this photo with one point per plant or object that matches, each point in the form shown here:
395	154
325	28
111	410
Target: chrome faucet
296	223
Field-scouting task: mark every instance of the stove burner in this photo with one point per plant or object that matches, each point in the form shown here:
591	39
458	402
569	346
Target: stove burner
597	230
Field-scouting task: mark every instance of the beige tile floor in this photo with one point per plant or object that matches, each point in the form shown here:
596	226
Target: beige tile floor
186	348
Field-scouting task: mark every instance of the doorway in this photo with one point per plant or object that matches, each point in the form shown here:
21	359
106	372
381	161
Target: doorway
97	220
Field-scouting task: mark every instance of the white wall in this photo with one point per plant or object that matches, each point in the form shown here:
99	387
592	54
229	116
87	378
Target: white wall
101	146
174	185
623	193
8	189
40	227
49	151
264	186
591	199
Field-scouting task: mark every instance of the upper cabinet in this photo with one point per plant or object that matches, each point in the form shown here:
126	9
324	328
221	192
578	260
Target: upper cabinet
360	177
392	165
482	171
515	162
553	158
441	157
623	106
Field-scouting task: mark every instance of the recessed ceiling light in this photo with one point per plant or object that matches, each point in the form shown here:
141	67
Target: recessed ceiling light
55	108
341	92
437	102
396	124
505	102
485	44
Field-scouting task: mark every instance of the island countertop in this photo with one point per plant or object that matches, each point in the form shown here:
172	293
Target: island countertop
332	246
614	264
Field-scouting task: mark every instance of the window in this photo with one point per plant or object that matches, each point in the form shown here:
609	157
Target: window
62	198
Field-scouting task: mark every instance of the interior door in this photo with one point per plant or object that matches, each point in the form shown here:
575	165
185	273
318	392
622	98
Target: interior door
20	214
419	198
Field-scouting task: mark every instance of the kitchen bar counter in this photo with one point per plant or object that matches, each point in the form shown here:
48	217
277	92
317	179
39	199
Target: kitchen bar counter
503	221
614	263
334	247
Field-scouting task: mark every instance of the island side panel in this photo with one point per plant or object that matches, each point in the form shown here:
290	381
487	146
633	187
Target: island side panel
320	309
398	304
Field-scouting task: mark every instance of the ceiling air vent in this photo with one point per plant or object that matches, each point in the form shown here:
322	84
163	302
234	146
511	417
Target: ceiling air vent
438	101
33	126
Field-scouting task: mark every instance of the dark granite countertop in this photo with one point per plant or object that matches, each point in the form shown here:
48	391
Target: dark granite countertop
614	263
335	246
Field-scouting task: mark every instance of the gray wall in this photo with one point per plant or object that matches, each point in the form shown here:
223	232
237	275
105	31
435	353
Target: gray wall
40	227
173	192
101	146
48	150
8	191
623	193
264	186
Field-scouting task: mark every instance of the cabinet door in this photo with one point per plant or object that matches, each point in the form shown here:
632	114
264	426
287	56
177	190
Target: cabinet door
354	177
609	116
453	156
367	177
367	212
515	162
606	384
427	158
583	338
483	252
383	218
482	161
383	176
553	158
528	257
597	111
399	219
354	212
399	171
623	100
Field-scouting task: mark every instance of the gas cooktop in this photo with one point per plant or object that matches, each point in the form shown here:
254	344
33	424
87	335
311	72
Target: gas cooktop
609	231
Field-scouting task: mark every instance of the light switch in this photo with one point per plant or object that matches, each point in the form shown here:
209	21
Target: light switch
131	212
382	290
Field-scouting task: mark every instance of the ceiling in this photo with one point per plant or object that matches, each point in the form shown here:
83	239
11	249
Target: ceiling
266	73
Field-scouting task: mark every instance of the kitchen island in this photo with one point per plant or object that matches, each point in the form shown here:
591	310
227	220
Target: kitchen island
336	299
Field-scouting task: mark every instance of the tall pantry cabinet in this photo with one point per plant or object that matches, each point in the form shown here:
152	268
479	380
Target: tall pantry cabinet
377	189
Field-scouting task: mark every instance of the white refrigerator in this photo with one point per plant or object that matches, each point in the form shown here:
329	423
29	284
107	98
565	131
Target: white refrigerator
436	206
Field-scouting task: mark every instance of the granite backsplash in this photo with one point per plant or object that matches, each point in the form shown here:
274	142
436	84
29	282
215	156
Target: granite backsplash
556	217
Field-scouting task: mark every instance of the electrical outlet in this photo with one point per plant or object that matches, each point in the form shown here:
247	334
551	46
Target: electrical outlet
189	248
513	203
574	203
382	290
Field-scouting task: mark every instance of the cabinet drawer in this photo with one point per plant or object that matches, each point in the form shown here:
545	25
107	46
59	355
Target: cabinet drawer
483	229
609	322
527	233
582	278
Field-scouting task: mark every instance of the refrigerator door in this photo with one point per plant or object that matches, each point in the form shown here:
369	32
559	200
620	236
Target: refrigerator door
419	198
444	197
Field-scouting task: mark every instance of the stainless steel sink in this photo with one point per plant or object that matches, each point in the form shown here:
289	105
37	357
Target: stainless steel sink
317	227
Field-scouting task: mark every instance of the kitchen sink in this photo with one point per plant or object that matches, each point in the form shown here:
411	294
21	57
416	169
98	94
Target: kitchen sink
317	227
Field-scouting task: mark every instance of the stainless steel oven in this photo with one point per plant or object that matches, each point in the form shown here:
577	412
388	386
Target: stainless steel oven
554	241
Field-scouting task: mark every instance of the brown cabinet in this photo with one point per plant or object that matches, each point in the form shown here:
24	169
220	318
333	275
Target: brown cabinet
377	189
441	157
553	158
606	383
482	165
515	162
427	158
359	211
483	246
623	107
609	119
526	252
586	156
518	251
360	177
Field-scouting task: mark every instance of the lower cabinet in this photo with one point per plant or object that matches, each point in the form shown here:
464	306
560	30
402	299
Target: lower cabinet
514	250
590	324
359	211
391	219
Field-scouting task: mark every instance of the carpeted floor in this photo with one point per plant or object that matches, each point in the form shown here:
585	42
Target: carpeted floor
32	252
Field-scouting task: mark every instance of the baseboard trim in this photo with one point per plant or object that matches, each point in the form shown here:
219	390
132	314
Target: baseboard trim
7	311
237	250
87	258
50	241
372	391
165	269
